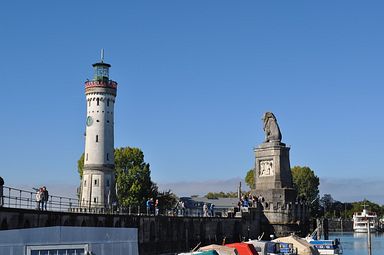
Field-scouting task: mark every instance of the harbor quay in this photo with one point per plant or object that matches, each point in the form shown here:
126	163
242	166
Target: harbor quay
151	234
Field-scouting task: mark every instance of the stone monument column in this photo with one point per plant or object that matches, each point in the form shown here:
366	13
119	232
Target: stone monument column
272	167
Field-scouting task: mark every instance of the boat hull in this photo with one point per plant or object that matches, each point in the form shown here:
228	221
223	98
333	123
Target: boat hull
364	230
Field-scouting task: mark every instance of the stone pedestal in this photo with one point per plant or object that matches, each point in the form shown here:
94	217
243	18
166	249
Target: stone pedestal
273	173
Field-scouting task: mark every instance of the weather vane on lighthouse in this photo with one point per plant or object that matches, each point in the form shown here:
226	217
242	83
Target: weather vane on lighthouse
97	188
102	55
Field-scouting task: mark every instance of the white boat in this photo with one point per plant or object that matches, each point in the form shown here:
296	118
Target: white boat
360	221
325	247
332	247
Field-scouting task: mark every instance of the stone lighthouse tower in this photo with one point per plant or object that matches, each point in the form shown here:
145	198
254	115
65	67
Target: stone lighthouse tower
98	181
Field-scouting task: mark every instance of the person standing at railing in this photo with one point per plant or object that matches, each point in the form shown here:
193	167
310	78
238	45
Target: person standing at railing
205	210
1	192
44	198
156	207
149	204
39	195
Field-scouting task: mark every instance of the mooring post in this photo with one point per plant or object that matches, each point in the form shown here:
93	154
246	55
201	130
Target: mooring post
325	229
369	237
319	228
341	224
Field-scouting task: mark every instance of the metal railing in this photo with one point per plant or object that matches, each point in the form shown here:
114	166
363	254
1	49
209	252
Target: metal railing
18	198
24	199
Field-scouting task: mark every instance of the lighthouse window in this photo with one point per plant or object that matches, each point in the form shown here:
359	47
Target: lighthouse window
107	156
107	121
98	100
108	102
107	183
97	121
95	199
89	103
97	138
96	182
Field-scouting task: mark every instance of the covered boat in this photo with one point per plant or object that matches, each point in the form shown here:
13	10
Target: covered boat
271	248
302	247
265	247
220	249
210	252
243	248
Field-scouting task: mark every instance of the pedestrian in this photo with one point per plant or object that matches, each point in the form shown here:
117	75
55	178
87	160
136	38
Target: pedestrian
254	201
245	202
39	194
148	206
182	208
211	209
1	192
44	199
205	210
239	204
157	207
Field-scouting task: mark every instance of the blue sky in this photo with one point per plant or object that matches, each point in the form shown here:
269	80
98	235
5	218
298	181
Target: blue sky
194	80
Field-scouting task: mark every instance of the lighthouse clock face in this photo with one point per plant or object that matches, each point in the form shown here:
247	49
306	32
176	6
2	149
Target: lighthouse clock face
89	121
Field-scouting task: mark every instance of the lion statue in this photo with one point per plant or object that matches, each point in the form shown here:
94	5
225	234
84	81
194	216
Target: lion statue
271	128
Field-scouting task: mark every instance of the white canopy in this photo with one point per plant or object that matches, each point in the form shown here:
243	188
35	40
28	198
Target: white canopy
303	247
220	249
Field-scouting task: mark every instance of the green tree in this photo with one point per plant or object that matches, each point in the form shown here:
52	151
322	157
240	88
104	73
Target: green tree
250	179
221	194
80	165
307	185
133	177
331	208
370	206
167	200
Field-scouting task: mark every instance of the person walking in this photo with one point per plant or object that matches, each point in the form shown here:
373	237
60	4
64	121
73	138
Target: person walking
44	199
1	192
212	210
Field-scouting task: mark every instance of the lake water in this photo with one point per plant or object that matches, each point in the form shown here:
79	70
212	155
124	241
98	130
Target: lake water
356	243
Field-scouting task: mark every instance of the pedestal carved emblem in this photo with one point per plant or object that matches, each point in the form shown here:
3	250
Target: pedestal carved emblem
266	168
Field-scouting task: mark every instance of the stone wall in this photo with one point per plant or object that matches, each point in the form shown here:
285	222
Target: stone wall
162	234
340	225
156	234
283	219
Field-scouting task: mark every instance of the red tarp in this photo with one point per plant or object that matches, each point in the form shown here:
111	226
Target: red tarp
243	248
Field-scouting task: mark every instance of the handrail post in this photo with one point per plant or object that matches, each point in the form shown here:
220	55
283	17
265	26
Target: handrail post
20	198
60	205
9	197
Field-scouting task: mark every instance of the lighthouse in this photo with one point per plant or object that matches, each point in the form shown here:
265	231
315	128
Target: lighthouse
98	180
